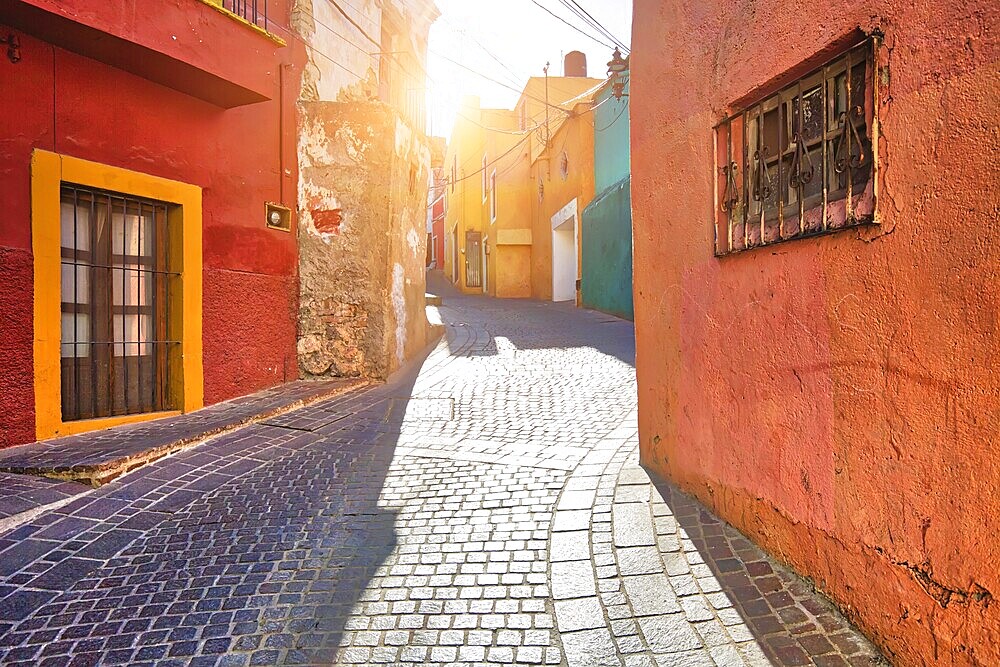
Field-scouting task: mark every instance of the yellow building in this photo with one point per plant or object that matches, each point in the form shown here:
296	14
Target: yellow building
498	235
563	173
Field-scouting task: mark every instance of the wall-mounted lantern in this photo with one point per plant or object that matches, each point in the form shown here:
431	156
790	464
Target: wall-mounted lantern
486	247
617	71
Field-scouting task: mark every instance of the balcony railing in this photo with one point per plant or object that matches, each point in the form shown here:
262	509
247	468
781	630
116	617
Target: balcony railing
251	11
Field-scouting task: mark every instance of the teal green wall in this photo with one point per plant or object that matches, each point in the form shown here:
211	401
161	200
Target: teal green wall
606	226
611	139
606	223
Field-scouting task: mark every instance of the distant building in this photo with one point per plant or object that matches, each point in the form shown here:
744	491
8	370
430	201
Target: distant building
498	221
435	204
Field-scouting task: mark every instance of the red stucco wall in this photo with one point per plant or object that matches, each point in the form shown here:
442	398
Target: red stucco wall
837	398
76	106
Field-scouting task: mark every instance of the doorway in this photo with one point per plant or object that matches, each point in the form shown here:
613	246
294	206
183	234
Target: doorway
564	253
473	259
454	255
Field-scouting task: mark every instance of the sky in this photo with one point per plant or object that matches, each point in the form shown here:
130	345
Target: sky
509	41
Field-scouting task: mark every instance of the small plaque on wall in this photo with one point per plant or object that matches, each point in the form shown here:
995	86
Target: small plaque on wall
278	216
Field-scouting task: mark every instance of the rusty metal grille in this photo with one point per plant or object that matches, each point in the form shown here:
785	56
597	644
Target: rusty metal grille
117	349
473	259
799	162
251	11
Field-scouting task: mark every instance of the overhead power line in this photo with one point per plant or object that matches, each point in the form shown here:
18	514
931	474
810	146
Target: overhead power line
585	34
356	24
499	83
514	76
489	164
586	17
527	130
608	126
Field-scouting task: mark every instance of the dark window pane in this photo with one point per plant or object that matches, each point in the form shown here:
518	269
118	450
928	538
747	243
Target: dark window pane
110	307
810	124
771	133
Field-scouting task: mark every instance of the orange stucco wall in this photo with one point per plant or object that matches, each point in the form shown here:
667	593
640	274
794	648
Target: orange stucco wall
512	280
837	398
575	138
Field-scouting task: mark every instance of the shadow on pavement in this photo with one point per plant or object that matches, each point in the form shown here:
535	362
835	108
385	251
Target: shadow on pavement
259	542
784	614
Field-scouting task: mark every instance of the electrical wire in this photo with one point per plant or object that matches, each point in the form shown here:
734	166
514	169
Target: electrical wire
585	34
362	14
608	126
488	164
291	35
497	129
515	77
583	14
355	24
499	83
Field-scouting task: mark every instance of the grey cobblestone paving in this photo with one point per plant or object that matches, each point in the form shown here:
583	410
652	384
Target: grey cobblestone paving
487	510
20	493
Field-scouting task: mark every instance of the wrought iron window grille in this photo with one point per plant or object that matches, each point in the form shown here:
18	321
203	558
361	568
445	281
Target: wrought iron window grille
118	340
251	11
800	161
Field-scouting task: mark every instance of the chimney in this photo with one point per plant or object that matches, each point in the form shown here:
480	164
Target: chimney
575	64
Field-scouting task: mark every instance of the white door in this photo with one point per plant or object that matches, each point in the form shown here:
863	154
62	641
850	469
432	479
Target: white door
564	253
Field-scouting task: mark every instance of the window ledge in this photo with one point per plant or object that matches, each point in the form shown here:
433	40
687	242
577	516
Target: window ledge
217	6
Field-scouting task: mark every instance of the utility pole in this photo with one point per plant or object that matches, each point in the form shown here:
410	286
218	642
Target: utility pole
547	135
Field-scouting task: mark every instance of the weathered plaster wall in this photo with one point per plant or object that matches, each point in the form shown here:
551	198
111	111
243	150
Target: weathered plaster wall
837	398
77	106
336	63
362	201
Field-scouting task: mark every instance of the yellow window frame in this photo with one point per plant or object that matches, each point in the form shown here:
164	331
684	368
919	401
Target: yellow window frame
48	172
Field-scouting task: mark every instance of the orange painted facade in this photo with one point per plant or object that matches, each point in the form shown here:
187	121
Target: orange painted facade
512	211
837	397
564	172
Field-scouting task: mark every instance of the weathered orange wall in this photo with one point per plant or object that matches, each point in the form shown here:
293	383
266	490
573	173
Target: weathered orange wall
837	398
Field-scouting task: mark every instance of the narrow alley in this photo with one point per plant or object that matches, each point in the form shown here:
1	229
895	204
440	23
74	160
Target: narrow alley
484	506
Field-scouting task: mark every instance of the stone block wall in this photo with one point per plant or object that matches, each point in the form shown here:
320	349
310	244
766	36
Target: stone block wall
362	201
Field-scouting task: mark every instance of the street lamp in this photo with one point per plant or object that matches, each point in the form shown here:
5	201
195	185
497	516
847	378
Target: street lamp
617	68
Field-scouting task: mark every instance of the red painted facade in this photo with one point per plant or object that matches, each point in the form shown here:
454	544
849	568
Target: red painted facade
837	398
175	89
437	215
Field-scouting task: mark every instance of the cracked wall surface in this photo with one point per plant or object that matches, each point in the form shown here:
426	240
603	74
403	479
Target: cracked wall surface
362	198
837	398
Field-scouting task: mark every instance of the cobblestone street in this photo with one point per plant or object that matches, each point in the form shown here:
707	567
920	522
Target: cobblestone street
485	507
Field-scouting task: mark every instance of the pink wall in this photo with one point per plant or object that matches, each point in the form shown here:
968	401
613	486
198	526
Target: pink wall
837	398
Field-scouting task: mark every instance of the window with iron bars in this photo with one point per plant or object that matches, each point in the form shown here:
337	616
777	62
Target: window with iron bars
799	162
117	343
251	11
